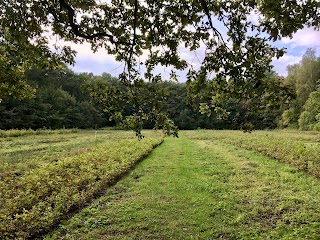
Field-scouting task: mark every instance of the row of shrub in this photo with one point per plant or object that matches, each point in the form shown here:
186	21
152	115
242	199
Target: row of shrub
24	132
37	200
302	155
299	150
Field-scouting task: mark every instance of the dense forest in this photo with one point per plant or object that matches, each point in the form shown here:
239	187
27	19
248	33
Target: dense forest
62	100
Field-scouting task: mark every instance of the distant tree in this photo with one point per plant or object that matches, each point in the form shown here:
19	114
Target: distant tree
307	76
289	118
58	102
261	107
310	117
303	78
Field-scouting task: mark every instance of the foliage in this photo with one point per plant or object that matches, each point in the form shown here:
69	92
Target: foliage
288	118
65	99
159	29
117	99
260	108
12	79
36	198
303	79
59	102
309	118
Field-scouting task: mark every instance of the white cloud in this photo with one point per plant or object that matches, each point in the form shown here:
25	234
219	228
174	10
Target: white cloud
254	17
86	60
97	66
97	63
306	37
280	65
84	51
296	46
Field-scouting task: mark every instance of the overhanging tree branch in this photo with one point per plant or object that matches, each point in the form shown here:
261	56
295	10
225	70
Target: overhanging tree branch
216	32
134	33
77	31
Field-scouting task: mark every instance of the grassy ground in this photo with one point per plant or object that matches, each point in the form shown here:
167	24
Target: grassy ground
299	149
195	187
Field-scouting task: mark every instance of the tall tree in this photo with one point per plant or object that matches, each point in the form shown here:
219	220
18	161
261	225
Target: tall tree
303	78
310	118
307	76
130	28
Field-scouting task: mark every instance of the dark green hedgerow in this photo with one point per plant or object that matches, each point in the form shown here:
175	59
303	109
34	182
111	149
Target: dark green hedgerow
35	201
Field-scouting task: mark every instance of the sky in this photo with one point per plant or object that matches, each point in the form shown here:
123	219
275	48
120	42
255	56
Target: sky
97	63
296	47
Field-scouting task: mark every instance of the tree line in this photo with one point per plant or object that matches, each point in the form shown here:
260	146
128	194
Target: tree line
58	102
65	99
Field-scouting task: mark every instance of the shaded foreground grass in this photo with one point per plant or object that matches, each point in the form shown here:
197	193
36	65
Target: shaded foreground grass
203	189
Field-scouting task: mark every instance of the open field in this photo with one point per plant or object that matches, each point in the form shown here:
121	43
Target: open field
203	185
45	176
200	188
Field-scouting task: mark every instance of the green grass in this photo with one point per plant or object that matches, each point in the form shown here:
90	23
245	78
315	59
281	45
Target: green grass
44	177
299	149
197	187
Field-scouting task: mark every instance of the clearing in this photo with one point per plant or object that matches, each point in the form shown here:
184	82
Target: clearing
202	186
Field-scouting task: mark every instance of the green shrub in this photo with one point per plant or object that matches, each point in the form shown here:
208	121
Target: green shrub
31	203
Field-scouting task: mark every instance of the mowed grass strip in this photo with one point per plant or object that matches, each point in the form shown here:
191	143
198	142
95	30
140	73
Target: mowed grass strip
39	196
203	189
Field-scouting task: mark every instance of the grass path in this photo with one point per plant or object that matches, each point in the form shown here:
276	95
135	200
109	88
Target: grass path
203	189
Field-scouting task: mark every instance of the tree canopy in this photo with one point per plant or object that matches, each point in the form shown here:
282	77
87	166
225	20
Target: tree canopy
304	79
234	64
